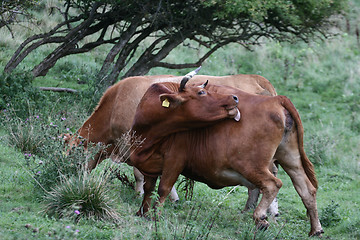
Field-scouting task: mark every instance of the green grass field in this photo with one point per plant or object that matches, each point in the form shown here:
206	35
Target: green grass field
322	78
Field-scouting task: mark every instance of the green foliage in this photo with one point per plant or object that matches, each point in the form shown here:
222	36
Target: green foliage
317	149
329	215
294	13
17	88
249	232
354	107
9	8
38	137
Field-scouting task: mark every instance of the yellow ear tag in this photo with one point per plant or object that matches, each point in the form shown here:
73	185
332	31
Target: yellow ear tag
165	103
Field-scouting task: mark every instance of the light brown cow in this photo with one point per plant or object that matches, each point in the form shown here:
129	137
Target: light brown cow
227	153
116	110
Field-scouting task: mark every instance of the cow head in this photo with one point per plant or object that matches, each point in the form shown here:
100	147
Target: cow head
199	104
173	107
71	141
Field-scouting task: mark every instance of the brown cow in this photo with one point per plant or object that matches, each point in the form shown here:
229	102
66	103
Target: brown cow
227	153
116	110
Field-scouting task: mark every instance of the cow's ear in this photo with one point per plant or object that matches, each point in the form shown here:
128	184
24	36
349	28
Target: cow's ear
170	100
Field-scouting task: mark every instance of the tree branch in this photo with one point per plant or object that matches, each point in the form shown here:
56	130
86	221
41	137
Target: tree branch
55	89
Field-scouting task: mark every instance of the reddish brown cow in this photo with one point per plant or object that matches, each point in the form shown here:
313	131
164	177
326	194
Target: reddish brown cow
116	110
226	153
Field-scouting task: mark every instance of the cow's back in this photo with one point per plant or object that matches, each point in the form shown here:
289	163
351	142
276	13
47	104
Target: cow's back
116	109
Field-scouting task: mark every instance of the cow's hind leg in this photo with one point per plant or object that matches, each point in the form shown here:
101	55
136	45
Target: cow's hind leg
174	197
139	181
290	159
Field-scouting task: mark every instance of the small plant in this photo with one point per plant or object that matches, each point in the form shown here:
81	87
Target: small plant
329	216
188	187
85	195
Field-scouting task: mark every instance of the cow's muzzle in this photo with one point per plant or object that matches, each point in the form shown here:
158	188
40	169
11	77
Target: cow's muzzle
234	112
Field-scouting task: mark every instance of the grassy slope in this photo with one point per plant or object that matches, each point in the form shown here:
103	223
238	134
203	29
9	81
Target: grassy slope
321	78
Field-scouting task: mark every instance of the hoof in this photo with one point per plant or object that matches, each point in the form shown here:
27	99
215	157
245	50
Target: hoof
316	233
139	214
262	224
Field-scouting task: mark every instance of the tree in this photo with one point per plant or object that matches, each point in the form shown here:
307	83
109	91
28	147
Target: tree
10	10
127	24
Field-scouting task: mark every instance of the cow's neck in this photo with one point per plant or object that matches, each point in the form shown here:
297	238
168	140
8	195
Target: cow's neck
152	136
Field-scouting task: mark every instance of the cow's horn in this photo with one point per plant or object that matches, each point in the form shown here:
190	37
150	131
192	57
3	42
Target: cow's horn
187	77
204	84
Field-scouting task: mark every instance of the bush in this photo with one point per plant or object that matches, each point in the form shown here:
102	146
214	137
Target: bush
16	88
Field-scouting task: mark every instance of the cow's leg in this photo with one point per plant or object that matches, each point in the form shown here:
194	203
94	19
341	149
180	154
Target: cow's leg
149	187
139	186
139	181
92	163
99	157
174	197
273	210
253	196
290	160
269	187
169	176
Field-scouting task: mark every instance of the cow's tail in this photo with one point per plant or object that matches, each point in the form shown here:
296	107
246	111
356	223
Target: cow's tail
307	165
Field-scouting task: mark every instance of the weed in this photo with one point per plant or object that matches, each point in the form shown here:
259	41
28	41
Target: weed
329	216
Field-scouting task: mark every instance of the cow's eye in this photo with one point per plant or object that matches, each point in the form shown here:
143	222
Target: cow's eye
201	92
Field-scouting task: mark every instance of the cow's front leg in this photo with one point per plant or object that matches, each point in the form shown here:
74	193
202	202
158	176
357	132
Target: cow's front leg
149	187
269	187
166	184
253	196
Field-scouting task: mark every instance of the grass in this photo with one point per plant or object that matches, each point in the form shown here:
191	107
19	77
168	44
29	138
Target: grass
321	78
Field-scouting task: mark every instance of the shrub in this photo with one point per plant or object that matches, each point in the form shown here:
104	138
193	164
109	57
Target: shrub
17	89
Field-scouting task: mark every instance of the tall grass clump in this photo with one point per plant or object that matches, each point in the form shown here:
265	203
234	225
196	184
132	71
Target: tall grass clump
83	195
